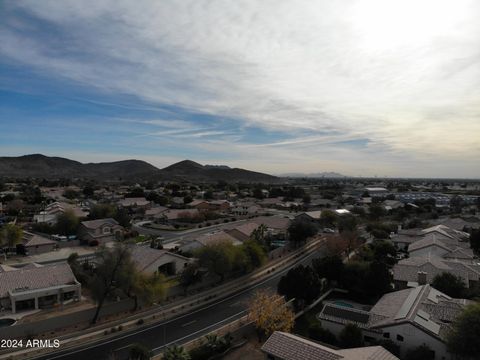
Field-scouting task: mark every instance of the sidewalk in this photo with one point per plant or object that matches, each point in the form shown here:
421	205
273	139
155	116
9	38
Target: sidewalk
159	314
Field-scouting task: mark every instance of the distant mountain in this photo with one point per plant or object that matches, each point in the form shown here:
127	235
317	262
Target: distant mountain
188	169
314	175
41	166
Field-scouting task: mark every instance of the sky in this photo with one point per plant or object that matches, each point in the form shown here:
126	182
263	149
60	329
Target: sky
363	88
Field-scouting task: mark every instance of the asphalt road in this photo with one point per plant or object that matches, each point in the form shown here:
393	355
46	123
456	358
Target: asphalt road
180	329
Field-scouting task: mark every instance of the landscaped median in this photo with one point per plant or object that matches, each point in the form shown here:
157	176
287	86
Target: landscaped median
159	314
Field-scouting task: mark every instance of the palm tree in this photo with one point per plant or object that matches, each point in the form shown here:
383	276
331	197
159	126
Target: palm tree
139	352
176	352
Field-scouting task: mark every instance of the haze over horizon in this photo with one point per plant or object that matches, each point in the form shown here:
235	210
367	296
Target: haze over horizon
361	88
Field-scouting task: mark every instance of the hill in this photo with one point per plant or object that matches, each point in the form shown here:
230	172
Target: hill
41	166
188	169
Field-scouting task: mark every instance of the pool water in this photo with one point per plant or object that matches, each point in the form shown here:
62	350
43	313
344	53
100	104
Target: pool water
6	322
343	303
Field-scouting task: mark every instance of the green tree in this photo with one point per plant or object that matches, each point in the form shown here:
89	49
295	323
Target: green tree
257	193
449	284
113	273
330	267
139	352
384	252
123	218
102	211
260	235
217	258
378	280
88	191
300	283
190	276
299	231
176	352
146	288
475	239
67	223
422	352
376	212
350	336
347	223
463	339
255	255
316	332
328	218
10	235
70	194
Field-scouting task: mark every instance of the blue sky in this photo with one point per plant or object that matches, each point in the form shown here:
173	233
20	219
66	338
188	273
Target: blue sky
358	87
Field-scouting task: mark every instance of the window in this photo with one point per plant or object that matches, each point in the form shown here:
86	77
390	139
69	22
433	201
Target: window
399	337
107	230
386	335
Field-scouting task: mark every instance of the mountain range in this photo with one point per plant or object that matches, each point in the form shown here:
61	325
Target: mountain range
41	166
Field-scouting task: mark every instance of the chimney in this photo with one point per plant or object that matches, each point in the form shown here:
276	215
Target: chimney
422	278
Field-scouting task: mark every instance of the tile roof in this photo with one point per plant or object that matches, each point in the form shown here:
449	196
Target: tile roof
423	306
367	353
144	256
95	224
407	269
33	278
217	237
274	222
293	347
290	347
247	228
31	239
140	201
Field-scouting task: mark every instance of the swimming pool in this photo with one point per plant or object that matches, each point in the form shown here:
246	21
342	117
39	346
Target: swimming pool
343	303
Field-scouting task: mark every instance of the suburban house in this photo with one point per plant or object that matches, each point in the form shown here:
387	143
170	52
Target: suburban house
276	226
243	232
139	203
151	261
36	244
201	205
37	286
219	205
245	209
270	202
444	232
173	215
438	240
285	346
99	231
410	318
50	213
310	216
403	241
422	270
461	224
155	212
433	244
209	239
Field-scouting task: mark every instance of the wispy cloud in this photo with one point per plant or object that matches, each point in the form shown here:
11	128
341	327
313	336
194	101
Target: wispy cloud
405	76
